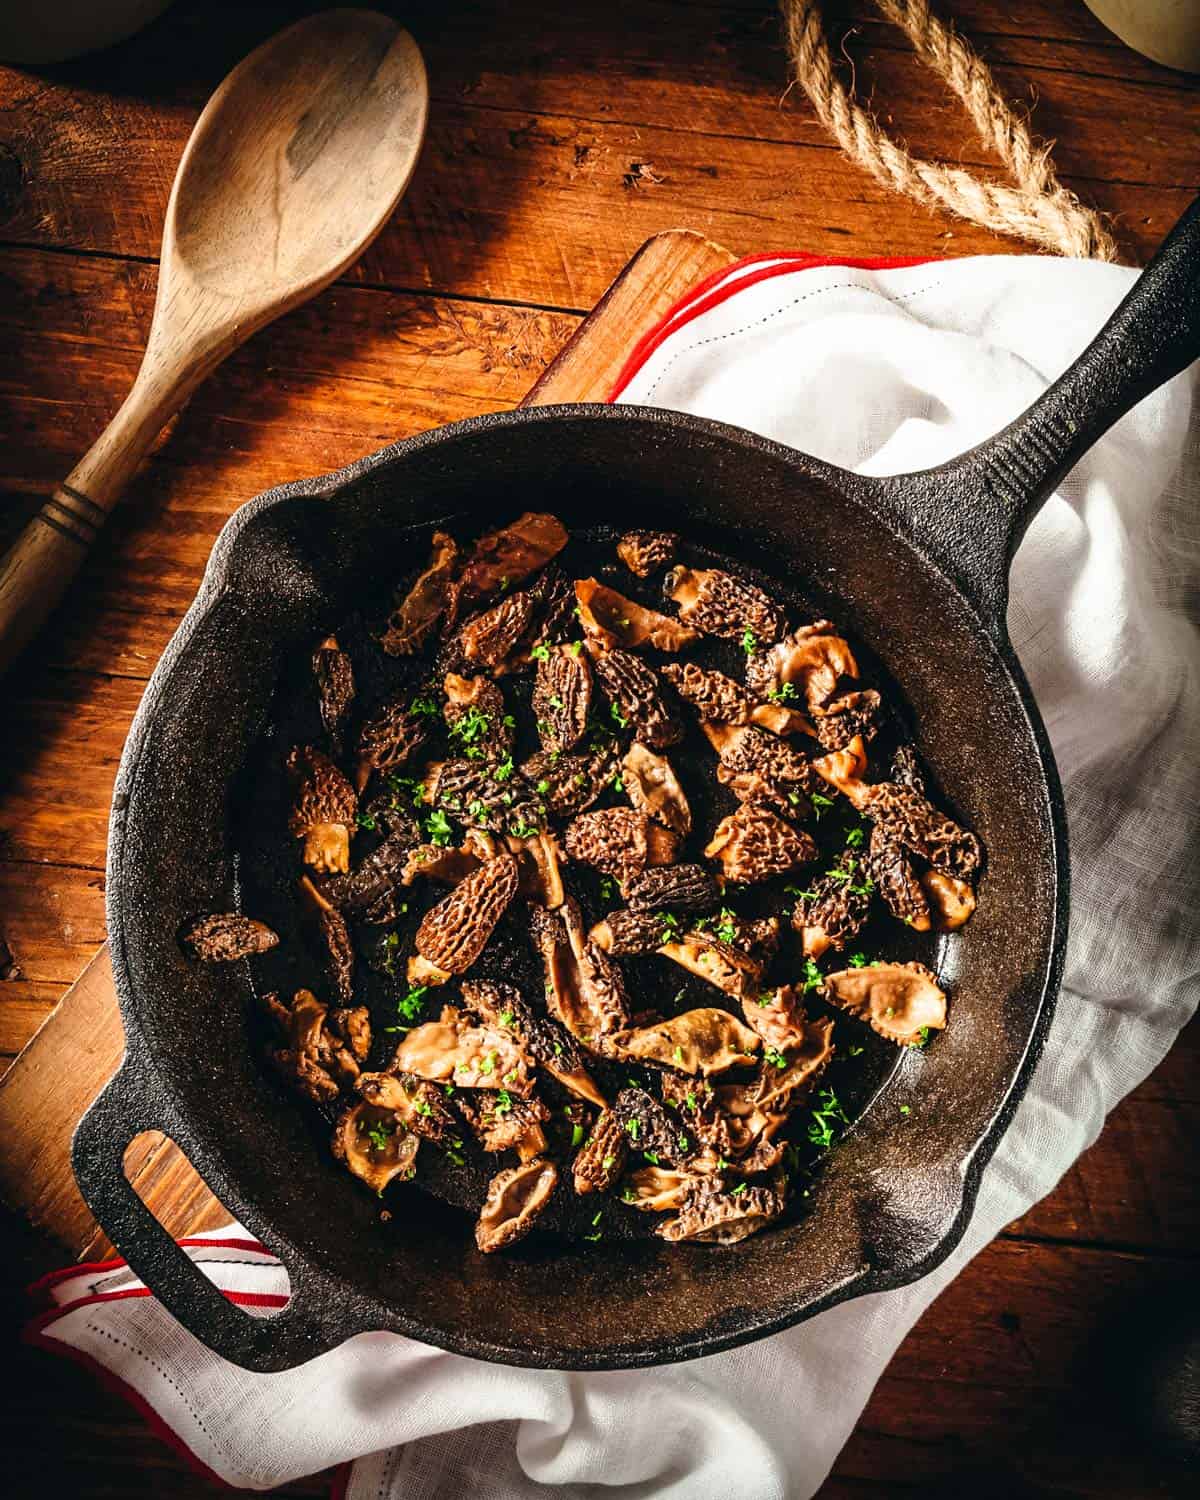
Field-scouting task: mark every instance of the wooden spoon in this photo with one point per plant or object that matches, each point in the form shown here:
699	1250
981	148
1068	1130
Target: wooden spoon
292	170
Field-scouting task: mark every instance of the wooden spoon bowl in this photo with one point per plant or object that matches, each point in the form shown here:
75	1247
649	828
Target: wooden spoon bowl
293	168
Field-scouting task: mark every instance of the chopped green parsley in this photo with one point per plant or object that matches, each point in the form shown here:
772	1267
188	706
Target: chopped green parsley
827	1120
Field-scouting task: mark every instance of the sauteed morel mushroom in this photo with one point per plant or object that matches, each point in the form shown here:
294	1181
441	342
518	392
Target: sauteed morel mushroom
607	882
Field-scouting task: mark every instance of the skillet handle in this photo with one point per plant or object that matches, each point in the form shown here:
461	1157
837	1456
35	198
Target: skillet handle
995	490
125	1108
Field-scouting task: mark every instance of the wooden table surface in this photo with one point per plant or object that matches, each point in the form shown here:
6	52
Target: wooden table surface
560	138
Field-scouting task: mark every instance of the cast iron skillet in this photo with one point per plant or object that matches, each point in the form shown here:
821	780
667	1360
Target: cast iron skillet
916	566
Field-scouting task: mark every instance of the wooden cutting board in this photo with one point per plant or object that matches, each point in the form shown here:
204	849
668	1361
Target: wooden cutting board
79	1046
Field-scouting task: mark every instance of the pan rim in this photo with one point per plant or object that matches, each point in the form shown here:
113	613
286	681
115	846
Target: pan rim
637	1353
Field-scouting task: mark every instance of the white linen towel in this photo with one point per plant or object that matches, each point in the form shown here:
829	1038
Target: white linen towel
883	371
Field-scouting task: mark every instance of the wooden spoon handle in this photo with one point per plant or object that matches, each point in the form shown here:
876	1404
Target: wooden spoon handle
37	568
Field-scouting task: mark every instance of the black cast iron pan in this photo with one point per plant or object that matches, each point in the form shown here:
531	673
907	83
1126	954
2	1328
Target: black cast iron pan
916	566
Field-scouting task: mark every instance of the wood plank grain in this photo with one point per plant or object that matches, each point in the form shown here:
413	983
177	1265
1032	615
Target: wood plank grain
41	1100
1018	1381
713	68
532	198
354	370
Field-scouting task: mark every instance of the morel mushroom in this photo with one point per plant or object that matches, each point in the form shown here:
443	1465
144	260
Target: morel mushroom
562	695
715	697
451	1050
516	1199
718	699
778	1017
627	934
720	604
335	687
908	818
888	865
653	788
906	769
324	809
541	878
847	716
620	842
602	1157
648	1125
758	937
553	596
584	988
476	717
337	954
389	812
830	914
484	794
447	865
753	844
570	783
725	967
644	552
226	936
673	887
715	1214
844	771
453	933
542	1038
636	698
951	901
388	739
899	1001
813	659
374	1145
759	767
657	1189
419	1105
500	1122
488	637
506	557
366	890
704	1041
322	1049
787	1073
433	596
610	619
701	1117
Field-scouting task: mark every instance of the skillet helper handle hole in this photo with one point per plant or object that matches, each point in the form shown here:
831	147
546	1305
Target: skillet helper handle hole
1152	336
98	1154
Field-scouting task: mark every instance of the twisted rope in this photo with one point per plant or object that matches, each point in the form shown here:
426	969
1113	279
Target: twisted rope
1037	208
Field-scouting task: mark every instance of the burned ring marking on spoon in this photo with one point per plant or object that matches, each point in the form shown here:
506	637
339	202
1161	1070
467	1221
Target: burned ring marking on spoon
71	513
